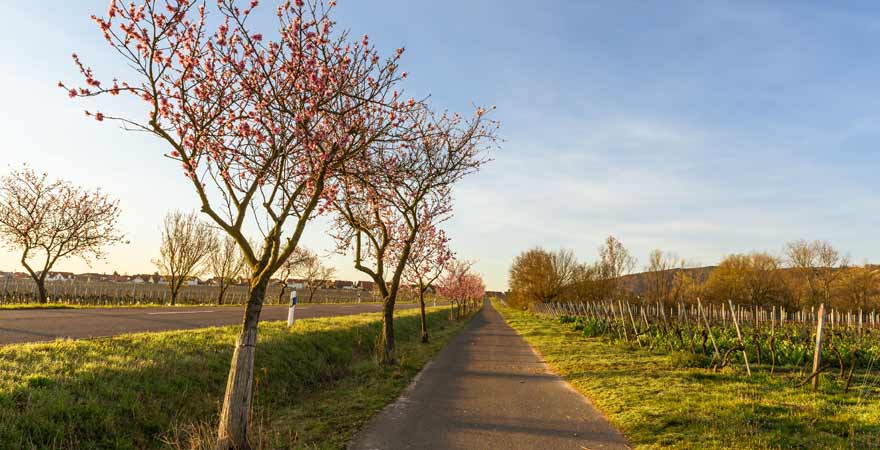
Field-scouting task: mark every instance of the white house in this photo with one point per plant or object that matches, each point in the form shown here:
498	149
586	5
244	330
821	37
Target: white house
59	276
293	283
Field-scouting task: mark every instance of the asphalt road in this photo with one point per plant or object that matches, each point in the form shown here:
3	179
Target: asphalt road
487	389
35	325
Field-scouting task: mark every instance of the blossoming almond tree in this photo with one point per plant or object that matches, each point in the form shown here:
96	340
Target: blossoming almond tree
462	286
399	188
259	126
429	255
48	220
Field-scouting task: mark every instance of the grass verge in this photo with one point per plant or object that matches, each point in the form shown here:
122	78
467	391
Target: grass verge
17	306
658	404
315	384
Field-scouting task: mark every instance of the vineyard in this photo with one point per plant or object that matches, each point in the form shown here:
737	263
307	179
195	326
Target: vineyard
804	343
22	291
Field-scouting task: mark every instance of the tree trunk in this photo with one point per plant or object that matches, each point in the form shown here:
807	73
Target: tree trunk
221	294
41	290
235	414
175	285
424	324
387	338
281	295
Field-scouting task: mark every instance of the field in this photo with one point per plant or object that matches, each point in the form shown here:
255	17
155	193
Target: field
159	390
671	398
807	341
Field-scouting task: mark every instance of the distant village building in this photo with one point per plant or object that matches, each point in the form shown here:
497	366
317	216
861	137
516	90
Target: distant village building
296	283
60	276
92	277
366	285
145	278
343	284
156	279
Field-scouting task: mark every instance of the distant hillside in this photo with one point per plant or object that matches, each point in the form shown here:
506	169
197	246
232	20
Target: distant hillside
637	282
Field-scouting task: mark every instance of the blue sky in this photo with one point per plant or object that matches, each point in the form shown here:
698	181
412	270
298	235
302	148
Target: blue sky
701	128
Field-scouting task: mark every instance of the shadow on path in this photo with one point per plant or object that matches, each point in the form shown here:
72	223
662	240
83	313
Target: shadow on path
487	389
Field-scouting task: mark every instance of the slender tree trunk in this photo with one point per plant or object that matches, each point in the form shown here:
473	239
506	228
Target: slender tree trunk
235	414
387	338
41	290
424	324
222	293
281	295
174	292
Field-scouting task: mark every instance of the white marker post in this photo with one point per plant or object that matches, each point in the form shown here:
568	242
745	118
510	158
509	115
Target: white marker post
292	307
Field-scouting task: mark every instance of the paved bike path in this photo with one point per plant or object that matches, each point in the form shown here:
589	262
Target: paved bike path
487	389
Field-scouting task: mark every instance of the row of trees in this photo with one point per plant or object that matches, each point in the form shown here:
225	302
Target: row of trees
807	274
540	276
48	220
191	248
273	131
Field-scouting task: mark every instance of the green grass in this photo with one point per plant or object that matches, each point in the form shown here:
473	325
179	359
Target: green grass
658	404
315	384
18	306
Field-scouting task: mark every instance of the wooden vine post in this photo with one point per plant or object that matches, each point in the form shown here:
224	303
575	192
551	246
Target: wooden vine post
739	337
633	322
817	356
708	329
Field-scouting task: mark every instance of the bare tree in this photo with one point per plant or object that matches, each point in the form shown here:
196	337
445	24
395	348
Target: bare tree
860	286
763	280
294	262
686	284
226	263
186	243
587	284
660	276
831	265
51	220
817	263
315	274
538	276
615	261
802	258
754	278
